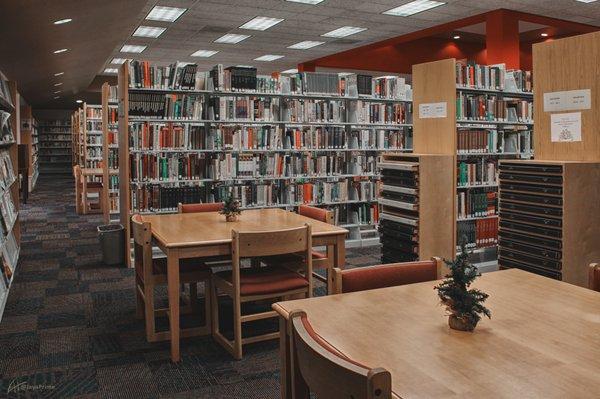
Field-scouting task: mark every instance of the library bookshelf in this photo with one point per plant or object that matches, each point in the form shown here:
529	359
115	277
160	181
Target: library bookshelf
30	137
56	145
354	202
10	224
477	136
110	154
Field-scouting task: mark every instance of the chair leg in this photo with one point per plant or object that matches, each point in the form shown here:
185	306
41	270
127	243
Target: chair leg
237	329
208	304
214	305
139	309
149	310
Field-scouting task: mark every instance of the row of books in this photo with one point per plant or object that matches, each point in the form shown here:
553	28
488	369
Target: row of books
94	152
8	212
193	166
480	233
93	112
477	172
476	203
386	113
492	77
6	131
356	213
7	174
492	141
5	96
491	107
56	144
9	258
94	126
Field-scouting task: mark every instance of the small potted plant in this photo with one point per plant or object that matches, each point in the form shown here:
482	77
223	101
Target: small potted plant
464	305
231	209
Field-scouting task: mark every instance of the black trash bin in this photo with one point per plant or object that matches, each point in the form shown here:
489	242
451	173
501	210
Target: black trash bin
112	243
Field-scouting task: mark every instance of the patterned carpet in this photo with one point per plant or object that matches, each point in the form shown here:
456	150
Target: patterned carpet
69	328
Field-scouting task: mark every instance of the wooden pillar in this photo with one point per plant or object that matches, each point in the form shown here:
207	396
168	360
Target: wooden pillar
502	39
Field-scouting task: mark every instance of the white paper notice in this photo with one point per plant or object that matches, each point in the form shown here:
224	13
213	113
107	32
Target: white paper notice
565	127
571	100
433	110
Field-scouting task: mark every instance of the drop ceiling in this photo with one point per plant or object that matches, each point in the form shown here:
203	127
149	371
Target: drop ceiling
100	28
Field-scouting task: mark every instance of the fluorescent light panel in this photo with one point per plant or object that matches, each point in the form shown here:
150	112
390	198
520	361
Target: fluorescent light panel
129	48
111	70
62	21
56	97
231	38
268	57
305	45
261	23
204	53
313	2
57	91
245	66
57	84
344	31
118	61
586	1
414	7
167	14
78	101
62	50
293	70
59	73
148	31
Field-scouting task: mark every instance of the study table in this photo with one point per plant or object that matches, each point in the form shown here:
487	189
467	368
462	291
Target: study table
543	340
206	234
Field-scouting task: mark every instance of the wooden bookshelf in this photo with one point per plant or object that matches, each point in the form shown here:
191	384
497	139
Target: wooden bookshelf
30	138
55	145
435	83
110	188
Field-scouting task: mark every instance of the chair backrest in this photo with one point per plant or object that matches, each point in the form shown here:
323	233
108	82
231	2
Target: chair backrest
194	208
313	212
595	276
390	275
247	244
142	246
329	374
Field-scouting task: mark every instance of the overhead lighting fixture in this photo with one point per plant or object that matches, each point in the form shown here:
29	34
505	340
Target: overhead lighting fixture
56	97
414	7
148	31
456	37
313	2
586	1
62	50
59	73
305	45
245	66
129	48
293	70
231	38
78	101
111	70
118	61
204	53
544	34
57	91
57	84
344	31
167	14
62	21
261	23
268	57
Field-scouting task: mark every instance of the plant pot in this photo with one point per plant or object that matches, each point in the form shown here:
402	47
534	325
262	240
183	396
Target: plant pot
231	218
459	324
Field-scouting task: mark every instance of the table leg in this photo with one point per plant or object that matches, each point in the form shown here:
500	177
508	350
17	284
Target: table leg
284	356
339	259
173	289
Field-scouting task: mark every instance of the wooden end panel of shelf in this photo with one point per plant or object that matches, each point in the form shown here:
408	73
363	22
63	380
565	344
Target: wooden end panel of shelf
561	65
105	170
435	82
14	153
581	220
437	233
124	197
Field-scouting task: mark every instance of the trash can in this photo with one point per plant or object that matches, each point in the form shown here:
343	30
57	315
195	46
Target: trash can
112	243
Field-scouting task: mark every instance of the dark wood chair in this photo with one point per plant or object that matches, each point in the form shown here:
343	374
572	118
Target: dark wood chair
319	368
595	276
390	275
150	272
202	207
254	284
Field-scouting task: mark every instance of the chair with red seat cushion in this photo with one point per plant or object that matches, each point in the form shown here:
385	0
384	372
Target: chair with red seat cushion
150	272
263	283
390	275
595	276
321	369
202	207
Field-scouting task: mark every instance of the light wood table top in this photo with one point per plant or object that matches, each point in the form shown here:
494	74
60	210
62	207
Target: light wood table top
97	171
543	340
210	228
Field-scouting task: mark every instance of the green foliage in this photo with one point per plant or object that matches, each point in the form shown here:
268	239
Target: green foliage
466	304
231	206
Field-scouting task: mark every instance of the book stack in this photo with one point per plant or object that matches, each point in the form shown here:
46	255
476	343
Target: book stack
492	108
477	172
481	202
492	77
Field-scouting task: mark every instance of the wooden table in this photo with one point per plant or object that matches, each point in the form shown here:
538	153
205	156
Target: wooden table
543	340
190	235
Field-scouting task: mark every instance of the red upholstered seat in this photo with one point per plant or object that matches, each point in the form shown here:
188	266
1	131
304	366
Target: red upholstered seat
266	280
373	277
313	212
194	208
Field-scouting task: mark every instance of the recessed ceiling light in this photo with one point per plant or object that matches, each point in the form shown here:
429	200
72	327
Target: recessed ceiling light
344	31
167	14
306	1
148	31
111	70
129	48
56	97
57	91
62	21
57	84
245	66
293	70
586	1
261	23
305	44
118	60
544	34
268	57
414	7
59	73
62	50
78	101
231	38
204	53
456	37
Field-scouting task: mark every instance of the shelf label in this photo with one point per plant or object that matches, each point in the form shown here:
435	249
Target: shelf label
433	110
572	100
565	127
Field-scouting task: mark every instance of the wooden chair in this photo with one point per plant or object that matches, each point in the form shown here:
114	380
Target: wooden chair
319	368
262	283
390	275
202	207
82	189
150	272
594	276
78	187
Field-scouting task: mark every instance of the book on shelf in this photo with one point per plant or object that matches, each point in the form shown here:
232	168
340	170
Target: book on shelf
492	77
93	112
479	202
5	93
477	172
7	174
6	131
492	107
479	233
383	113
8	212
